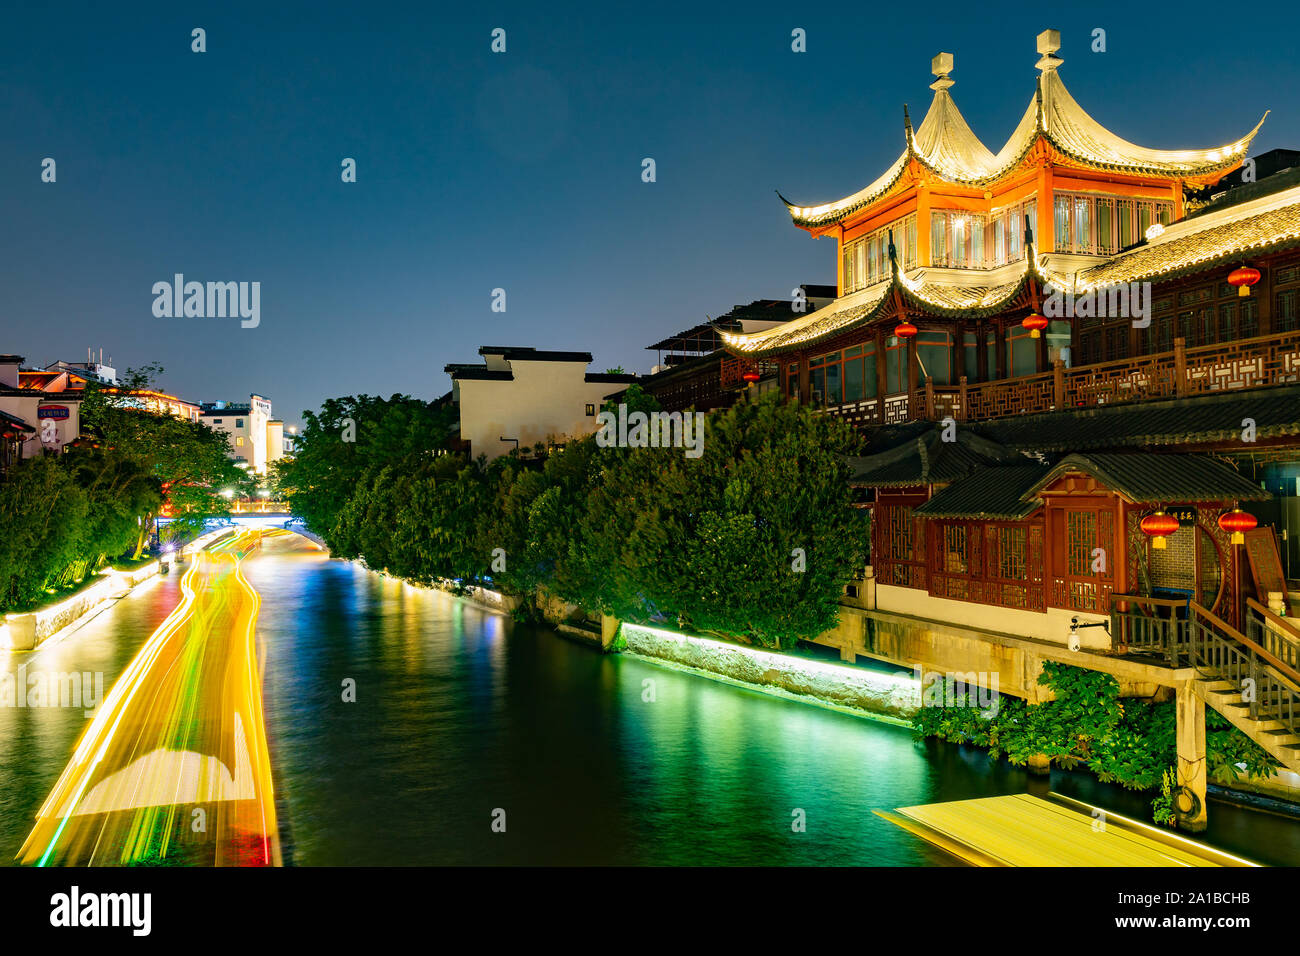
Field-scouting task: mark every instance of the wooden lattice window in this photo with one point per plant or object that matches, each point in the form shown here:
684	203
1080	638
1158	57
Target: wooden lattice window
956	560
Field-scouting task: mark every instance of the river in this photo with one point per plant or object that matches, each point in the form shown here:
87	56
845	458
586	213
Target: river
474	739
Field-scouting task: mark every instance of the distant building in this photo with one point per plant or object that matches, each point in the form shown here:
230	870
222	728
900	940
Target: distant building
25	410
521	397
688	372
256	439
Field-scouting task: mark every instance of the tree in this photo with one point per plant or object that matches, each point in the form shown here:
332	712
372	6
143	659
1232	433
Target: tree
43	527
350	436
189	460
755	538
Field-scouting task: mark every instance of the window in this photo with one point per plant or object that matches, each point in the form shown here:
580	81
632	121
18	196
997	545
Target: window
792	380
216	421
934	355
239	423
1022	352
957	239
1102	225
591	410
239	441
989	563
1288	317
845	376
866	259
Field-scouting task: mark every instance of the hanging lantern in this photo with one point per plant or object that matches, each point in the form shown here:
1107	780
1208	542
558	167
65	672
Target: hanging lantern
1035	323
751	375
905	330
1158	526
1237	522
1243	277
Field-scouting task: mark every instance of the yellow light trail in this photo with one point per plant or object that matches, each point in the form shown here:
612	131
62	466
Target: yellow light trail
174	767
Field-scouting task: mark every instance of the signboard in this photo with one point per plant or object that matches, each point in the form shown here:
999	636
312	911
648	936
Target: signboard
1186	515
57	412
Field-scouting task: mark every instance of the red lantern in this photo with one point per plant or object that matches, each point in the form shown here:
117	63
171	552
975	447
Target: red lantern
1158	526
1243	277
1237	522
751	375
905	330
1035	323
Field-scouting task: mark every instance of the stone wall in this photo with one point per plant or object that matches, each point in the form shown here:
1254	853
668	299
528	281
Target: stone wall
853	689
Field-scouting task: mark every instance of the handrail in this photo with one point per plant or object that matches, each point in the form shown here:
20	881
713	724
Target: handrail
1233	635
1273	619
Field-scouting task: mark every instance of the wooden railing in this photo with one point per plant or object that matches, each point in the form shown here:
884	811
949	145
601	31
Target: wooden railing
1259	362
1276	635
1187	635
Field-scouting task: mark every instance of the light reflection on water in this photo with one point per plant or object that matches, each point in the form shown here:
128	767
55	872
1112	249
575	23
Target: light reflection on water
461	711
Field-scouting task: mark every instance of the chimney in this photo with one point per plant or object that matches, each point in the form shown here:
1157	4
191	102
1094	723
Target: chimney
9	365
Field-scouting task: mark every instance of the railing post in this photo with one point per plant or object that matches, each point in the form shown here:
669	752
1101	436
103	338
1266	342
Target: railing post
1181	385
929	399
963	414
1058	384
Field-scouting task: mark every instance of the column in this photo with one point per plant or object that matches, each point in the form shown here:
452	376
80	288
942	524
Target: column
1189	802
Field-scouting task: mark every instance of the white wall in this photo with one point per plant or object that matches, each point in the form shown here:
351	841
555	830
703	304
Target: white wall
546	399
25	407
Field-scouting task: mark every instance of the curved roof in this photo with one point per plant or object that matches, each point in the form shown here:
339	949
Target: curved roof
861	308
946	146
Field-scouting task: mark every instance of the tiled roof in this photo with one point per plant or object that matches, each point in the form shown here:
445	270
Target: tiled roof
994	493
1151	478
1203	242
926	459
1195	420
945	145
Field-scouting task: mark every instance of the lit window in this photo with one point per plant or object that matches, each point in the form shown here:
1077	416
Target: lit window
240	441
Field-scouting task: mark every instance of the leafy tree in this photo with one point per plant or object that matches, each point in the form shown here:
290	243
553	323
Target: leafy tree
754	539
347	442
190	460
43	527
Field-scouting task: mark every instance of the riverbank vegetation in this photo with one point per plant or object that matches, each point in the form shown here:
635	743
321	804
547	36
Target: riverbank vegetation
62	517
1129	741
753	539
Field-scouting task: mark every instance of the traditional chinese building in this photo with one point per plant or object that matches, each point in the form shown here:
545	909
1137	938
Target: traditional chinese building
1075	363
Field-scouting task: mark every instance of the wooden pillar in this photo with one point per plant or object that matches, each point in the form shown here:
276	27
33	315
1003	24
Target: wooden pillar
982	354
923	225
839	260
1180	367
1264	304
1189	802
882	376
1058	384
805	380
957	353
913	371
963	409
1000	349
1041	358
1044	234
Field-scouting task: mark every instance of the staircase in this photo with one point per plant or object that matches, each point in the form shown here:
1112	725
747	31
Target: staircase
1251	679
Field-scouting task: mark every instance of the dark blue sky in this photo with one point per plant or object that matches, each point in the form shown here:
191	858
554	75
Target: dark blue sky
520	171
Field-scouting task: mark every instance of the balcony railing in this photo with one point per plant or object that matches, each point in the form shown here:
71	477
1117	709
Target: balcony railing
1259	362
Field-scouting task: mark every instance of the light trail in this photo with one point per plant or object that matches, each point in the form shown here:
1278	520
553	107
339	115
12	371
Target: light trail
174	767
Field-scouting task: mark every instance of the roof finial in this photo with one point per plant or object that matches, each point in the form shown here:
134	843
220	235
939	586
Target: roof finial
907	125
1049	41
941	66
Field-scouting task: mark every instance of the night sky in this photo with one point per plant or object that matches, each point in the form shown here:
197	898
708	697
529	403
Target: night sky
519	170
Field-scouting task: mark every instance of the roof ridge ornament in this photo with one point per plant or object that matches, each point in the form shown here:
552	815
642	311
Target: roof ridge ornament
908	132
1049	41
941	66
